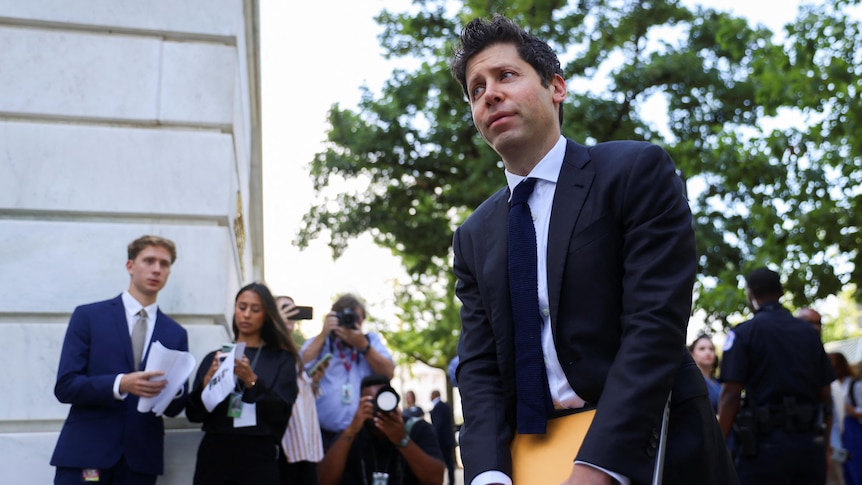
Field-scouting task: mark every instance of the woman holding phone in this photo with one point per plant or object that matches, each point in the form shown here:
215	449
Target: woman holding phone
301	445
291	314
242	433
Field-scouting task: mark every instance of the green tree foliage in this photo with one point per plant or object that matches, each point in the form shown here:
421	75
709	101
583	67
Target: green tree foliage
716	92
844	323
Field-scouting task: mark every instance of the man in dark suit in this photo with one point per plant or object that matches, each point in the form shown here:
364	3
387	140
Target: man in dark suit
614	268
105	438
444	427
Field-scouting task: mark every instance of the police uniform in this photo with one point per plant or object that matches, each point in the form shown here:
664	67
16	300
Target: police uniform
780	361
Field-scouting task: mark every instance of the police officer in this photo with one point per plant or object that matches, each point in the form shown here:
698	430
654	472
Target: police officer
780	363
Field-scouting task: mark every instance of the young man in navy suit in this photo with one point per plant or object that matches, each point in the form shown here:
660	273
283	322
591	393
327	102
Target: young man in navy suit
105	438
613	267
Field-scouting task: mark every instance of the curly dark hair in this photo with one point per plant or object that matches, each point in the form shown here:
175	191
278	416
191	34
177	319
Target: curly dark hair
480	34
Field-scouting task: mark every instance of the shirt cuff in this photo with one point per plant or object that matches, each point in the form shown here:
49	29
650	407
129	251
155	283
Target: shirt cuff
495	477
491	477
616	476
117	394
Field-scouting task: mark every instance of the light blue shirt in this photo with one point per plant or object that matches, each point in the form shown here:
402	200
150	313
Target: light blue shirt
347	366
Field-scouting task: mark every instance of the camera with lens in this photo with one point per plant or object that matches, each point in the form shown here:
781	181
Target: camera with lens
386	400
347	318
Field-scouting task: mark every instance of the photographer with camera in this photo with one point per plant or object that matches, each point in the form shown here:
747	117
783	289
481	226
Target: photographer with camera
379	447
354	355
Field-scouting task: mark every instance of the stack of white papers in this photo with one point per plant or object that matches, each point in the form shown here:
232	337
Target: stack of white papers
224	380
177	367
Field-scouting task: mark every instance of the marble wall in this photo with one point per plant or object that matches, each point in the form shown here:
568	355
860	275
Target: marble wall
119	118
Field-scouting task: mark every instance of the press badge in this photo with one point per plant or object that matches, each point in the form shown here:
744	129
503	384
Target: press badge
234	406
380	478
249	416
346	394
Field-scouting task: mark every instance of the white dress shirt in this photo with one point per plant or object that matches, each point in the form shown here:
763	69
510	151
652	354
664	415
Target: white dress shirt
132	308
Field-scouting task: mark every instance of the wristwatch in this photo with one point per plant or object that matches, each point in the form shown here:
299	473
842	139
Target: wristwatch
404	441
364	350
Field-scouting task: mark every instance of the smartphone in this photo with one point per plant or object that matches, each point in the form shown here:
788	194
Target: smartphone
305	313
225	349
323	360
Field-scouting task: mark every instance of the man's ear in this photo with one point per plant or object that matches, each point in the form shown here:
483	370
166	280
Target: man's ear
559	86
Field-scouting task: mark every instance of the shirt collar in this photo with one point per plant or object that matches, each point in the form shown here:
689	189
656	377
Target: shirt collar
547	169
133	306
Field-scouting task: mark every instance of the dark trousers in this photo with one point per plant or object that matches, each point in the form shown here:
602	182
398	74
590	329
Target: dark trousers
232	459
328	437
852	441
449	459
298	473
119	474
784	459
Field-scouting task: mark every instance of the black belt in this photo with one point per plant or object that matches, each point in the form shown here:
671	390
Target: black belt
559	413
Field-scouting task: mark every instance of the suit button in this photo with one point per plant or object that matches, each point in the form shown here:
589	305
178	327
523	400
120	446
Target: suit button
655	433
650	452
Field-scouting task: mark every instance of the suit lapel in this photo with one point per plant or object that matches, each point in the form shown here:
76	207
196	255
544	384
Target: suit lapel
570	195
495	267
121	326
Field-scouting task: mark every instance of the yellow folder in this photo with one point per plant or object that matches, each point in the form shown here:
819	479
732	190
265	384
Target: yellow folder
547	459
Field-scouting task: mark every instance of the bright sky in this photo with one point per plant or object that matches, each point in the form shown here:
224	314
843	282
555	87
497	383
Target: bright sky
312	57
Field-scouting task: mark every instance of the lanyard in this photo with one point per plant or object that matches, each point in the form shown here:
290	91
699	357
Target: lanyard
347	364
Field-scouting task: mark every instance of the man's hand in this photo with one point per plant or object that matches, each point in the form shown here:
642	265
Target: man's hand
364	412
330	324
587	475
140	383
351	336
392	425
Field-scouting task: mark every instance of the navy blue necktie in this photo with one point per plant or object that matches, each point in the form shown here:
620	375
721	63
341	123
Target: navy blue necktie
531	380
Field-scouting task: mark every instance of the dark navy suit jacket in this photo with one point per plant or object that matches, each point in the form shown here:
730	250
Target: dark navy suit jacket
621	264
100	429
444	427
